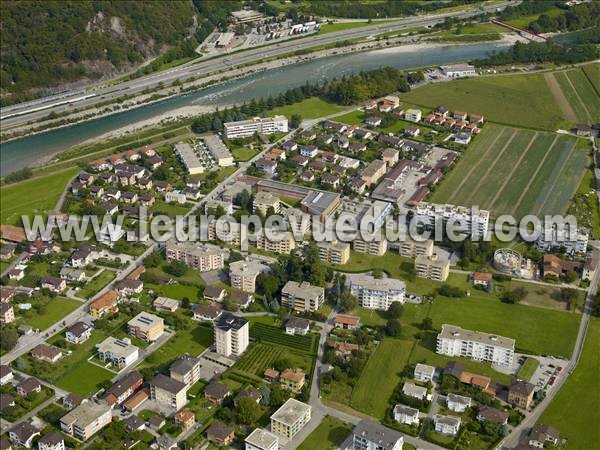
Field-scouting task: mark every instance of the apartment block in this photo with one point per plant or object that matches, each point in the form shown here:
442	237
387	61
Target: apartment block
86	419
243	274
261	439
467	220
411	248
297	220
455	341
376	247
572	242
374	171
229	232
266	125
302	296
168	392
432	267
201	257
263	201
369	435
119	352
146	326
186	370
335	252
276	241
231	334
290	418
373	293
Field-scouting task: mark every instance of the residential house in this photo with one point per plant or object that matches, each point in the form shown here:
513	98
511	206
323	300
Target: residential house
207	312
309	151
249	392
297	325
53	284
185	419
71	401
165	304
220	434
27	386
119	352
448	425
520	393
542	435
23	433
78	333
481	279
6	374
369	435
124	388
486	413
72	275
413	115
261	439
347	322
424	373
267	166
412	390
292	379
51	441
457	403
86	419
216	392
106	303
7	314
47	353
406	415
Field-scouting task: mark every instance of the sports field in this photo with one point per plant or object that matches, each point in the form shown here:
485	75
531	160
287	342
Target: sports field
515	171
583	99
519	100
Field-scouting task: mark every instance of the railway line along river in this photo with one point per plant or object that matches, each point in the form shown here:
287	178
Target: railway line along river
30	150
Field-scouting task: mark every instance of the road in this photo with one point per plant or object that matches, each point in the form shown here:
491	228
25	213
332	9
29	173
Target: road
513	439
85	98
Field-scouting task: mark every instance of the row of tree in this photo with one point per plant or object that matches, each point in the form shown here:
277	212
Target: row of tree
579	17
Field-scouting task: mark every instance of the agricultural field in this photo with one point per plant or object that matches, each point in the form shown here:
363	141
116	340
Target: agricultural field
311	108
273	335
592	72
574	411
17	199
381	371
580	94
517	100
259	358
519	172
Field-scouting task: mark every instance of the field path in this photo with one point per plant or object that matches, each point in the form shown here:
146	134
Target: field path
515	167
531	180
560	98
549	191
475	166
491	166
587	111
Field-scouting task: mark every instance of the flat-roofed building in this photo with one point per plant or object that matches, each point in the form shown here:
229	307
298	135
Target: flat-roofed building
265	125
218	150
374	171
146	326
424	373
168	392
261	439
369	435
455	341
186	370
376	247
231	334
86	419
411	248
413	115
335	252
302	296
246	15
432	267
203	257
263	201
243	274
464	219
276	241
189	158
119	352
290	418
298	221
373	293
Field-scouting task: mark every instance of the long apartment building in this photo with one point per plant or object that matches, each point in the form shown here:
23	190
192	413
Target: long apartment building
302	296
231	334
335	252
265	125
86	419
455	341
373	293
218	150
243	274
575	242
263	201
147	327
189	158
199	256
432	267
230	233
278	242
376	247
411	248
298	221
465	219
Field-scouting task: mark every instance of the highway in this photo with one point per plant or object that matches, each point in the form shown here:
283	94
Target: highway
86	98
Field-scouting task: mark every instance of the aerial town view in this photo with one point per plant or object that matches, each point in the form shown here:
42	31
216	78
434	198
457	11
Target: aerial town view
300	224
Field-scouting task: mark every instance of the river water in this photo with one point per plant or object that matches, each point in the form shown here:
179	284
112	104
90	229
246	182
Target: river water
30	150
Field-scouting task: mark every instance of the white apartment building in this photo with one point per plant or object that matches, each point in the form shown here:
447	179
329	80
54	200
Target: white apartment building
119	352
199	256
218	150
189	158
231	334
243	274
432	267
369	435
424	373
266	125
464	219
413	115
86	419
457	403
455	341
575	242
448	425
373	293
411	248
302	296
335	252
406	415
261	439
290	418
186	370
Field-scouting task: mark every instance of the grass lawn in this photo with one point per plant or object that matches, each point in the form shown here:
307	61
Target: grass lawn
176	291
4	265
524	21
503	99
585	204
341	26
535	330
311	108
91	288
380	376
528	369
330	433
84	379
56	309
243	153
17	199
574	411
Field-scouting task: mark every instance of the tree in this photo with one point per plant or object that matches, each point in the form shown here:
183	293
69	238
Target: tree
295	120
154	259
570	276
8	338
247	411
185	303
282	363
569	296
279	395
347	301
176	268
393	327
377	274
427	324
395	310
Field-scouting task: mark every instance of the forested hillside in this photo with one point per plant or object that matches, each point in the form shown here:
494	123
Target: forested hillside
45	42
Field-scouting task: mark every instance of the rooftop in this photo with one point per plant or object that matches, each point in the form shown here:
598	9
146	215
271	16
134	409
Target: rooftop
228	321
291	412
377	433
454	332
261	438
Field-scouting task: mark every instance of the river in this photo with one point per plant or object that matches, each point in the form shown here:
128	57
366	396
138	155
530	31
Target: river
30	150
